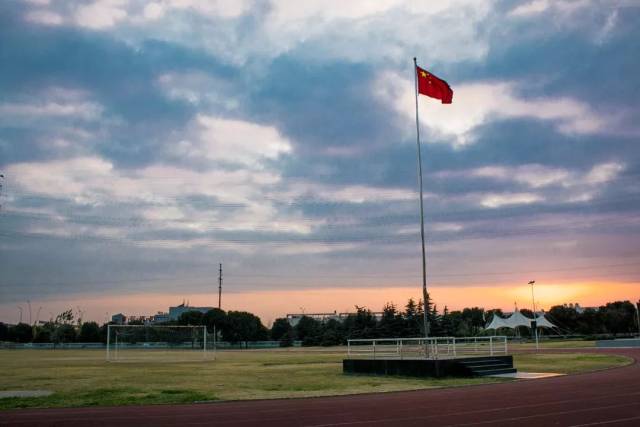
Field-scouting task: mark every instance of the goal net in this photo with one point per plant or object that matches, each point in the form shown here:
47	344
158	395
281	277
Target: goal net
159	343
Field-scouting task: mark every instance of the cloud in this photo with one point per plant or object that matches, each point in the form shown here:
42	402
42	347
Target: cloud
375	34
538	176
101	14
564	8
314	29
34	111
45	17
232	141
200	89
159	194
477	103
603	173
498	200
607	28
554	185
350	194
534	176
214	8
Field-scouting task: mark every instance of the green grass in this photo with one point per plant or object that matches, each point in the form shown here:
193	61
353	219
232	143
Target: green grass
552	344
567	363
83	378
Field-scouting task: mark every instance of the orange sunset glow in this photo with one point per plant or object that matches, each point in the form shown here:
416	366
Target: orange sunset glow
270	305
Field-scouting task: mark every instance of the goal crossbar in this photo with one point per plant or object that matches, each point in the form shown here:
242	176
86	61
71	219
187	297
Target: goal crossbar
163	340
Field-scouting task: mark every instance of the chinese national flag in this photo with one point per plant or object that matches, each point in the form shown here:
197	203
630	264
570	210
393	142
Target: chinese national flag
430	85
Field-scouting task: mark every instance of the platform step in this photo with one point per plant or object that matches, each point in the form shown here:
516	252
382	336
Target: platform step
486	372
490	366
475	363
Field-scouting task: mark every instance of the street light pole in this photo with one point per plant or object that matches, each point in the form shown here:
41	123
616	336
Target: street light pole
534	322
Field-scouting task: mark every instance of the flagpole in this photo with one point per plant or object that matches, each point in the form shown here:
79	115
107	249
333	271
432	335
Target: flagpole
425	295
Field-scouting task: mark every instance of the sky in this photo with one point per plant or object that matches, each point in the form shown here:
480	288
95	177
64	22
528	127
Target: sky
143	143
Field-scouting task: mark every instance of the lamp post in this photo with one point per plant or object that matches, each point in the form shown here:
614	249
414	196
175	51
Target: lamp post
534	322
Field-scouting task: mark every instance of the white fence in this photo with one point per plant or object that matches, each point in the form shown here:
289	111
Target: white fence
427	348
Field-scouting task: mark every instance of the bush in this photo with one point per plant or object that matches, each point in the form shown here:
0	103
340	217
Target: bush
287	339
4	332
64	334
89	332
21	333
44	333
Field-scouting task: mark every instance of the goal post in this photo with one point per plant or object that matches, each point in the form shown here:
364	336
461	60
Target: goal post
159	342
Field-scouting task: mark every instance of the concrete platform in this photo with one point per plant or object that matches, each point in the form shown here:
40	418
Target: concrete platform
528	375
434	368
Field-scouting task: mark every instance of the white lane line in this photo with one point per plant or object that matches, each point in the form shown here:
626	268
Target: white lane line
600	423
479	411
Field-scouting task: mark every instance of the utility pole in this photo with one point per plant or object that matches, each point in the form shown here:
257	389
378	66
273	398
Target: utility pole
220	288
534	322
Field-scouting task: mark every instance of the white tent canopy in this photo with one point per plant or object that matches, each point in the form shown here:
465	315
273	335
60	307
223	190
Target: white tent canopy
518	319
543	322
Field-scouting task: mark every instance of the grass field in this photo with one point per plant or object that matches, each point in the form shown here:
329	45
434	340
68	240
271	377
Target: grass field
552	344
82	377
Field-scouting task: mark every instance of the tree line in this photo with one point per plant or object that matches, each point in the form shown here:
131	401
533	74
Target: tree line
613	318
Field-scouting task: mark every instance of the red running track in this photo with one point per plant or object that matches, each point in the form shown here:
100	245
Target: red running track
605	398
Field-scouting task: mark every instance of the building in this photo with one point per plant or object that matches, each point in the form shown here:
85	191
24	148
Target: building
176	312
173	314
294	318
119	319
160	317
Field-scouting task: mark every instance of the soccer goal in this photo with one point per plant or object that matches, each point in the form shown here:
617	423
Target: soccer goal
159	343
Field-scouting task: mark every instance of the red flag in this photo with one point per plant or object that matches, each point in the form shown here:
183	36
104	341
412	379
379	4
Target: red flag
432	86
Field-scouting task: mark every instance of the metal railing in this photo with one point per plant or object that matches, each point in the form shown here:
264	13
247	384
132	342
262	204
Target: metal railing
427	348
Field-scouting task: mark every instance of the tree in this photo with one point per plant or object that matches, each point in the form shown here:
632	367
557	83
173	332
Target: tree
191	318
64	318
104	331
64	333
619	317
20	333
363	324
280	328
43	333
410	310
564	316
308	331
89	332
413	322
4	332
591	322
332	333
434	322
243	326
474	317
391	323
446	323
214	320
